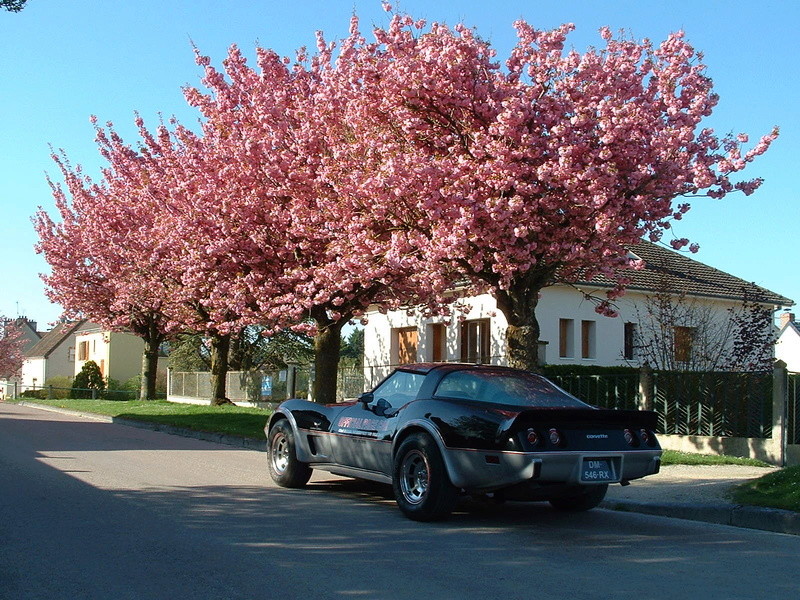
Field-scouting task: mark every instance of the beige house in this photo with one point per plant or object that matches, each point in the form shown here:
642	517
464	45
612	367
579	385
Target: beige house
52	356
119	355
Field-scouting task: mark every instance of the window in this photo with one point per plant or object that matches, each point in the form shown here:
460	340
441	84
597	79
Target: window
83	350
504	387
406	340
629	341
401	387
587	339
475	341
438	337
684	339
566	347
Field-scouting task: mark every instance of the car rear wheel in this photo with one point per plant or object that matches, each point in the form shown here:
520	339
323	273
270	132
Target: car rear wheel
589	497
421	486
284	468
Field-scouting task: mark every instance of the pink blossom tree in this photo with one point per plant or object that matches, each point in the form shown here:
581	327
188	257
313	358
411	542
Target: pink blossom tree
543	171
103	264
282	129
11	355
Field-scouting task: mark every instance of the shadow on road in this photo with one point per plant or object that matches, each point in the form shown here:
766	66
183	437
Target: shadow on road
339	538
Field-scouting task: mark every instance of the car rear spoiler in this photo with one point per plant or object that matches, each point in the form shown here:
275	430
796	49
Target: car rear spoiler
583	418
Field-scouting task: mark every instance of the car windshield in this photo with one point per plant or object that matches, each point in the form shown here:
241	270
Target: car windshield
516	388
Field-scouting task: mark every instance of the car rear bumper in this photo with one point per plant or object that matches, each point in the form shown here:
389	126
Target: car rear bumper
482	470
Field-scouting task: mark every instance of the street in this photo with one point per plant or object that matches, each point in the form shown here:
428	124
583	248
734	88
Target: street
96	510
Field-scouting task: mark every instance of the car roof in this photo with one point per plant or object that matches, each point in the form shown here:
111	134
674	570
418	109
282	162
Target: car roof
425	368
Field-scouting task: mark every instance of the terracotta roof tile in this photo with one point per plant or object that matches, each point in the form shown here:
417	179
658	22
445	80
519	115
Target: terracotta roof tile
53	338
667	269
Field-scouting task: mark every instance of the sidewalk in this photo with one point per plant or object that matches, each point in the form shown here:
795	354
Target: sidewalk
696	493
700	493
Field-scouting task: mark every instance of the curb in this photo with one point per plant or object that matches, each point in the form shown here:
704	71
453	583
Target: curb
747	517
735	515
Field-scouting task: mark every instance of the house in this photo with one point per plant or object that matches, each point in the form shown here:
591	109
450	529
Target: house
9	382
677	313
787	346
119	355
52	356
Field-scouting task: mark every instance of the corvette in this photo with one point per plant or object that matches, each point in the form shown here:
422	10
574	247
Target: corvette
440	430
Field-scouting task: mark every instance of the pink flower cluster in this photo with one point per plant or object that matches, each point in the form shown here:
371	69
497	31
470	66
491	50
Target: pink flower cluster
381	172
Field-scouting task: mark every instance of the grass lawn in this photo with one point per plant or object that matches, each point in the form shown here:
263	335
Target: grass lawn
779	489
673	457
228	419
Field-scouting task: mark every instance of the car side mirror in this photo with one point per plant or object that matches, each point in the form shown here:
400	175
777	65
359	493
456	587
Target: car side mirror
381	407
366	398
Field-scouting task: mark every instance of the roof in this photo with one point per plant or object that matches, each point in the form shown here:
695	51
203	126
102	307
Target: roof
53	339
667	270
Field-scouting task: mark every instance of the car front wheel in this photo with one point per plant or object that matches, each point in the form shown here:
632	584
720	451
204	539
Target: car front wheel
421	486
284	468
589	497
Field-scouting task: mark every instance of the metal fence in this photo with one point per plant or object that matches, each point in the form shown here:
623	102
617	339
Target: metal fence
241	386
617	391
263	386
722	404
793	409
60	393
714	404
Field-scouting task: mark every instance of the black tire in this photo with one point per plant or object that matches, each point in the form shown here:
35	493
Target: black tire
284	468
419	478
588	498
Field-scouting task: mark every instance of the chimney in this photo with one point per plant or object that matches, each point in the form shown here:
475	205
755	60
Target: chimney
786	318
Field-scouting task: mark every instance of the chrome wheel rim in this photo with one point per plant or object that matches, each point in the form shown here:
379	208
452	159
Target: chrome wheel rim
414	477
280	453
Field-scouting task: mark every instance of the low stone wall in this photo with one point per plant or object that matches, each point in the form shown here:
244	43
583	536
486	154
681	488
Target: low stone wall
762	449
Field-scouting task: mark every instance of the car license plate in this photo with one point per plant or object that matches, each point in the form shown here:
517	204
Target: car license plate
597	470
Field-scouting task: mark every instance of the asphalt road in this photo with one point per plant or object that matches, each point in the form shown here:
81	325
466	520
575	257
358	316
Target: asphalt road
95	510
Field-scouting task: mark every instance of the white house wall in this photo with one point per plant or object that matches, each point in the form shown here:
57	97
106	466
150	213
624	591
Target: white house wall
33	373
787	349
556	302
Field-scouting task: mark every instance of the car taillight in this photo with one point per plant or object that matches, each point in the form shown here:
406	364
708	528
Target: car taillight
555	437
630	437
647	437
532	437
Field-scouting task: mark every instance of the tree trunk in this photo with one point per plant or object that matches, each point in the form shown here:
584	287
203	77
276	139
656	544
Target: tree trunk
518	305
220	347
152	343
327	347
236	353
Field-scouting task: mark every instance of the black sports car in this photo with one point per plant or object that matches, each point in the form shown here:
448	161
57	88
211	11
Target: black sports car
435	431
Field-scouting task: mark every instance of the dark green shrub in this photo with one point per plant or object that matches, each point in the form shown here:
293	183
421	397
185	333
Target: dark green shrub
88	382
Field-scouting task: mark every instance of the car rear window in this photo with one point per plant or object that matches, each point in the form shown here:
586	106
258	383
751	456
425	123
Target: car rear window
506	387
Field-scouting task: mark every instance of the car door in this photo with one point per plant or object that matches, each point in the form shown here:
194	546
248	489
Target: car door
365	430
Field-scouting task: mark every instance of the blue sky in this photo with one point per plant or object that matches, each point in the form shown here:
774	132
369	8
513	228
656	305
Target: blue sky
61	62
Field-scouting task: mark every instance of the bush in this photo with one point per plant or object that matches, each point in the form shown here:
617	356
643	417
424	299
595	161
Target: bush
37	394
61	386
564	370
88	382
